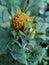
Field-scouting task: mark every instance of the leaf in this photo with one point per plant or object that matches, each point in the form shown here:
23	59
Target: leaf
39	19
26	26
14	33
41	27
47	1
24	5
42	2
28	12
4	14
24	41
18	9
31	36
39	33
1	13
32	18
34	26
47	19
17	3
8	5
47	31
47	13
5	25
4	40
36	55
32	3
19	55
21	33
6	59
3	2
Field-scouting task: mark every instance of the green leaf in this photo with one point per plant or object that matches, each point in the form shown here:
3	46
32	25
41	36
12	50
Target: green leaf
42	2
39	33
4	40
47	31
5	25
8	5
47	19
21	33
15	2
32	3
24	5
36	55
26	26
4	14
47	1
34	26
18	9
14	33
19	55
6	59
41	27
1	13
31	36
19	3
3	2
33	11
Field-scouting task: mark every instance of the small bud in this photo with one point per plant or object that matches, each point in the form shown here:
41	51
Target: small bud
31	30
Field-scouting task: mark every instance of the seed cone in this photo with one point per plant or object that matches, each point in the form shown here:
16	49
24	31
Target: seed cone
17	21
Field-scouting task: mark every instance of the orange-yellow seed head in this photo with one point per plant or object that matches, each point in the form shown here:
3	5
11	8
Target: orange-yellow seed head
17	21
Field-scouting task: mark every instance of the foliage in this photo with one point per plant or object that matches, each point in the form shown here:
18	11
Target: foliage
24	47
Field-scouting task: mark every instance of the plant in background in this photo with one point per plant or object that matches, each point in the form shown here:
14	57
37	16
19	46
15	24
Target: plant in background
24	32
